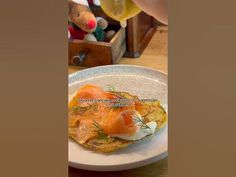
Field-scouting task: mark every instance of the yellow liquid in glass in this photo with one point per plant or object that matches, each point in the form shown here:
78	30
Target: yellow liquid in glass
119	10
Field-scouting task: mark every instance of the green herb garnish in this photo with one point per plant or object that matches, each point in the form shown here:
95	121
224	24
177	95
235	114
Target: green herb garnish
82	109
140	121
111	88
100	131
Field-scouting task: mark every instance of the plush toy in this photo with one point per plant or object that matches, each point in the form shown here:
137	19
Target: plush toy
100	33
82	20
75	32
101	26
90	37
84	25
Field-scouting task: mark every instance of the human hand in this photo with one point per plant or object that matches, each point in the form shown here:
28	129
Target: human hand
155	8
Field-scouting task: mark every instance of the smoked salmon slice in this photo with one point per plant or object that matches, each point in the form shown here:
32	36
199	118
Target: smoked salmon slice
114	120
120	122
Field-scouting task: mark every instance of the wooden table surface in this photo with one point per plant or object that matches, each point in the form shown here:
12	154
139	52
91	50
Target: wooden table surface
154	56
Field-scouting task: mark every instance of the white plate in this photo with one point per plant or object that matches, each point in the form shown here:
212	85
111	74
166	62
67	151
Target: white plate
141	81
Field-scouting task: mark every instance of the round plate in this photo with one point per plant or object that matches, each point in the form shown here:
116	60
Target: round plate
143	82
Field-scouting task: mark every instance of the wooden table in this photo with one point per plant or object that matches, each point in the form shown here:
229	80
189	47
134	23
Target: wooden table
154	56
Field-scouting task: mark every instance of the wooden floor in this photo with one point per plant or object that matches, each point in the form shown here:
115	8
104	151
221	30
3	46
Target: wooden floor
154	56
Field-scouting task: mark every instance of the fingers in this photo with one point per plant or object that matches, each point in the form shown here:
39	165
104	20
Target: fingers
155	8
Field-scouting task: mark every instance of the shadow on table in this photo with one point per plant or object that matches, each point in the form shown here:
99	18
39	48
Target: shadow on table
158	169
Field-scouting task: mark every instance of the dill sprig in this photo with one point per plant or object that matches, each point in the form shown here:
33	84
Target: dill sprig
111	88
115	105
100	131
118	94
140	121
82	109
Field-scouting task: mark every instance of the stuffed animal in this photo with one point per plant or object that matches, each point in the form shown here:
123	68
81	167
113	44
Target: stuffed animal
100	33
84	25
82	20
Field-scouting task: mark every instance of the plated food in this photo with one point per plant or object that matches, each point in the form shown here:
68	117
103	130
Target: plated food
108	120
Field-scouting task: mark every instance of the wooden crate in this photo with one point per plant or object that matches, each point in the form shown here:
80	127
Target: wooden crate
129	42
91	54
140	30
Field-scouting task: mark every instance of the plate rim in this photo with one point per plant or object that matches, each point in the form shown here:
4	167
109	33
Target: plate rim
119	65
119	167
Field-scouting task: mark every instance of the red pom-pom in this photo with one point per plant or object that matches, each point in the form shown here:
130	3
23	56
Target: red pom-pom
91	24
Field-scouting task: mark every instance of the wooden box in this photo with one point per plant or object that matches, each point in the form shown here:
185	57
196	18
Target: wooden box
129	42
91	54
140	30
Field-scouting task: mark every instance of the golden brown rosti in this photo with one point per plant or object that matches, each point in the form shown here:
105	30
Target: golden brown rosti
92	137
